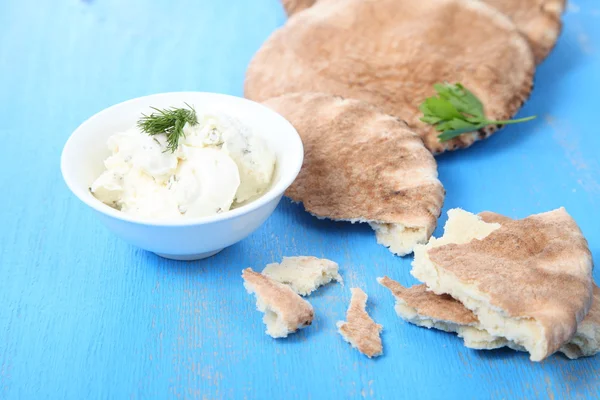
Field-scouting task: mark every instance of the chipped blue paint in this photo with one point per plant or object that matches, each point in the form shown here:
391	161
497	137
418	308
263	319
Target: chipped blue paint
85	316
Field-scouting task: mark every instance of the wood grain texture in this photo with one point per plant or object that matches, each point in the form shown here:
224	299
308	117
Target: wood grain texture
84	315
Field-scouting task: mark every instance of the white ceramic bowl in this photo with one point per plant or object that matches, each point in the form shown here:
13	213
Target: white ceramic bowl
185	239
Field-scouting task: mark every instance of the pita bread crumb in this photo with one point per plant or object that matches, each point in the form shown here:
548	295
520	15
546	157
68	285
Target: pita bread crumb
304	274
361	165
527	280
285	311
390	53
360	330
421	307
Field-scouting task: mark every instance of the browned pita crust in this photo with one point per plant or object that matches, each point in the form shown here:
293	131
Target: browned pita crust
439	307
360	164
390	53
538	20
492	217
586	341
536	268
294	6
360	330
291	309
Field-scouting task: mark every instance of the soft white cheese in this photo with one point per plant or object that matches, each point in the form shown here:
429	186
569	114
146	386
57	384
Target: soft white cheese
134	149
144	197
206	182
254	159
218	164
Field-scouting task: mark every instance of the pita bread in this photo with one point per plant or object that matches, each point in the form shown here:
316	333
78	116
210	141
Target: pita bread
421	307
361	165
390	53
538	20
285	311
526	280
442	308
294	6
360	330
303	274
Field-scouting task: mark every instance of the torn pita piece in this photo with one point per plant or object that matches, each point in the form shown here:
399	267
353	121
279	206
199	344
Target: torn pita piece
390	53
285	311
360	330
304	274
421	307
361	165
527	280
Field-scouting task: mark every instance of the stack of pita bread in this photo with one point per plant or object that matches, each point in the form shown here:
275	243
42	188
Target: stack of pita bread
524	284
350	76
390	53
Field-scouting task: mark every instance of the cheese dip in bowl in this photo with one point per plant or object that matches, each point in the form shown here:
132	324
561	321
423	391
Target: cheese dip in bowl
183	175
212	163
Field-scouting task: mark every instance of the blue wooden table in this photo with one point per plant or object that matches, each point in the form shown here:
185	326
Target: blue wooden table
84	315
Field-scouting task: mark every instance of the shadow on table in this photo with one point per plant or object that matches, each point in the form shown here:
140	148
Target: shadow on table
188	268
502	353
296	213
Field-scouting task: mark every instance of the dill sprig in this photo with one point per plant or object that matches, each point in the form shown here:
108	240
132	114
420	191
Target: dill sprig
169	121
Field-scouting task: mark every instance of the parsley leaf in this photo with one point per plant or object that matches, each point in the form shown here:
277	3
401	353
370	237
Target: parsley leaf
456	110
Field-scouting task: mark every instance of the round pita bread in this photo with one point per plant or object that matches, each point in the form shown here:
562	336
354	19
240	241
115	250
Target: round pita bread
390	53
361	165
538	20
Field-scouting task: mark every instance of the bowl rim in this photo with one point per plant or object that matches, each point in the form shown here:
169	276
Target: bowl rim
287	176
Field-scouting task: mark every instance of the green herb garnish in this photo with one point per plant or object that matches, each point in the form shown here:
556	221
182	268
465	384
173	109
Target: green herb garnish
169	121
455	110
